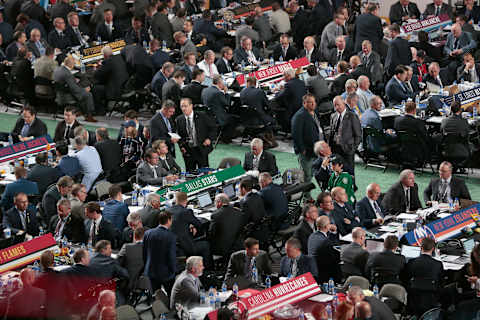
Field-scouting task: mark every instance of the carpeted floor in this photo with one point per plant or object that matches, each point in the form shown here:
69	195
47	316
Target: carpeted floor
285	160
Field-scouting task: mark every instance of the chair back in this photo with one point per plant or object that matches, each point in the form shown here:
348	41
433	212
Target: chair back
411	150
381	276
349	269
357	281
391	290
433	314
127	312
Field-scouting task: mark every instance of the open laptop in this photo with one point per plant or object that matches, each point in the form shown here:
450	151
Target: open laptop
374	246
411	252
204	200
229	190
468	246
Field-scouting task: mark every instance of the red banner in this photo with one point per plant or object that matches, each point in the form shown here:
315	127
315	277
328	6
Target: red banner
274	72
25	253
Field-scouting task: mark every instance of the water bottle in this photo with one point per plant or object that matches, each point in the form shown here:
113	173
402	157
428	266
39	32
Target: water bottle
10	139
417	100
281	58
268	282
162	317
224	287
211	298
375	291
289	177
403	105
301	316
329	312
141	199
99	40
451	205
456	203
145	44
272	62
41	232
7	232
235	290
17	163
164	45
335	302
475	112
36	266
134	197
218	302
255	274
50	157
331	286
242	67
202	298
82	67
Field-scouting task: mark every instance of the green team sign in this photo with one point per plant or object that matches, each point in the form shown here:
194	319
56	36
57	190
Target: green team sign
205	182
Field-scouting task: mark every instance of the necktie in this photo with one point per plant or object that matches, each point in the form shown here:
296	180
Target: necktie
252	265
407	199
79	36
405	11
57	228
210	70
67	133
437	11
455	45
167	123
155	175
339	56
309	56
40	48
93	231
109	27
166	164
229	69
378	211
439	81
443	192
190	131
285	53
293	270
255	162
23	219
60	34
25	129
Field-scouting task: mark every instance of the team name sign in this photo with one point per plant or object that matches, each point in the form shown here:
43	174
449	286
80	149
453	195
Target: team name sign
22	149
465	97
427	24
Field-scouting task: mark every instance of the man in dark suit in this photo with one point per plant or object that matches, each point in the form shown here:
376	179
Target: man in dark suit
149	214
189	65
76	31
159	254
43	174
284	51
437	76
320	247
171	90
64	224
110	155
58	38
28	302
225	63
130	257
62	189
403	195
410	124
104	266
253	208
386	261
469	71
321	168
377	309
470	11
161	27
395	89
20	185
98	228
368	26
257	99
299	23
399	52
340	52
186	226
137	33
295	263
312	53
274	200
371	60
447	187
307	225
162	124
247	54
458	44
108	30
259	159
194	89
198	133
425	278
290	98
457	127
403	10
340	79
20	217
438	8
36	45
369	209
225	227
241	263
149	172
354	255
28	126
206	26
345	218
64	131
61	9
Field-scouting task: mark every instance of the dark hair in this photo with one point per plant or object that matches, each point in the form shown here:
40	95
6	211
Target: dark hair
179	74
41	158
399	69
394	27
164	217
251	81
114	190
391	242
71	109
62	148
428	244
46	259
181	12
102	245
49	51
30	109
79	255
225	314
455	106
307	208
246	184
196	72
410	106
224	50
250	242
321	197
343	66
93	206
149	153
139	233
312	70
337	159
206	14
17	35
131	114
108	9
137	18
462	17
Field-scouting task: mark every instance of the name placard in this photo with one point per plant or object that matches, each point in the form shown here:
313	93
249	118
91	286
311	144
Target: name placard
444	228
464	97
428	24
22	149
97	50
25	253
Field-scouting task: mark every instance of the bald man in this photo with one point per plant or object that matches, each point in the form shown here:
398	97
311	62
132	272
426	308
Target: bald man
354	255
369	208
28	301
106	299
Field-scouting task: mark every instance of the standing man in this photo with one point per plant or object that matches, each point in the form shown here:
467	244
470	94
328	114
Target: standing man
368	26
306	130
161	125
403	195
307	225
90	163
446	188
398	51
332	31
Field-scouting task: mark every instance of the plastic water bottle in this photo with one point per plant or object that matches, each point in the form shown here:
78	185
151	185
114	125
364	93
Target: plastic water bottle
289	177
164	45
255	274
41	232
456	203
99	40
375	291
242	67
224	287
451	205
272	62
417	100
329	312
218	302
145	44
211	298
403	104
82	67
331	286
7	232
134	198
268	282
141	199
281	58
235	290
162	317
10	139
50	157
202	298
475	112
301	316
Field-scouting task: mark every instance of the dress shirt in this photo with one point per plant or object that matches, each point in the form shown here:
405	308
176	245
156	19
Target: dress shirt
375	208
473	75
251	57
406	191
23	218
209	69
227	63
116	212
192	134
90	164
444	194
91	232
68	128
308	54
40	47
60	226
154	169
109	27
256	160
339	55
167	122
25	128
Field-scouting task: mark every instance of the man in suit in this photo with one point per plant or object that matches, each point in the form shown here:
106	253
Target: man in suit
387	261
307	226
339	52
185	44
246	53
43	174
320	247
295	263
262	25
403	195
137	33
189	65
446	188
340	80
321	167
402	11
299	22
148	172
225	63
410	124
76	31
395	89
458	128
312	53
64	131
186	289
332	31
44	67
161	77
284	51
260	160
197	132
346	133
225	227
420	271
130	257
115	210
150	213
458	44
377	308
279	19
60	9
371	60
159	254
344	216
62	189
253	208
67	165
399	52
58	37
28	302
36	44
97	228
369	209
306	131
246	30
437	76
470	11
110	155
438	8
165	159
28	126
90	137
274	199
290	98
108	30
368	26
20	185
20	39
241	264
65	79
206	26
256	98
161	125
194	89
20	217
469	71
171	90
64	224
105	267
21	74
354	255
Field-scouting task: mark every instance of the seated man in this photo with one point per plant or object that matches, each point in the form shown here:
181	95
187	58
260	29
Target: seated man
67	165
90	163
208	64
43	174
246	54
28	126
369	209
104	266
21	217
130	257
149	213
110	154
354	255
274	200
20	185
241	263
106	299
395	90
65	225
108	30
64	131
456	128
344	216
260	160
414	127
57	38
256	98
469	70
34	309
306	226
115	210
403	195
62	189
186	289
387	261
436	76
295	263
253	208
98	228
149	172
194	89
446	188
165	159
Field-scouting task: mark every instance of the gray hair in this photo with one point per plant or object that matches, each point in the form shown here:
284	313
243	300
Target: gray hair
79	131
294	242
446	163
318	147
351	83
357	233
405	173
375	100
371	186
107	51
290	73
64	203
192	262
80	141
361	79
223	198
133	216
152	196
355	291
257	142
352	96
208	53
322	222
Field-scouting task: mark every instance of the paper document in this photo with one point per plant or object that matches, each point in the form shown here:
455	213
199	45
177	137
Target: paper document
322	298
174	135
407	216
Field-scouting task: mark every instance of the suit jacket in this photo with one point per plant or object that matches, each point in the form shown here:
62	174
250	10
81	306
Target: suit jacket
60	9
81	278
373	65
11	51
355	256
204	129
474	14
257	99
396	93
169	164
380	310
314	57
236	268
290	98
149	216
110	155
171	90
398	53
159	254
18	309
332	56
73	230
275	202
222	66
31	46
412	125
162	28
465	42
44	176
49	201
193	90
21	185
305	133
225	227
300	26
445	9
320	247
63	77
62	42
425	266
185	291
131	36
347	212
385	260
74	39
105	231
12	220
113	75
253	207
302	233
60	131
458	189
278	52
158	59
317	85
130	257
247	31
159	130
182	218
102	32
455	124
267	163
240	55
467	76
219	102
262	26
368	27
366	213
207	27
394	200
145	175
338	85
350	131
397	13
37	129
107	268
304	264
329	34
322	175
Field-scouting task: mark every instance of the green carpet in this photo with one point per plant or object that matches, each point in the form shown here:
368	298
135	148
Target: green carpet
287	160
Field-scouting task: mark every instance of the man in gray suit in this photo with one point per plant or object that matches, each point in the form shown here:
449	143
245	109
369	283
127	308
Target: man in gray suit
131	257
186	289
354	256
36	44
246	30
149	173
332	30
149	214
241	263
45	65
186	45
64	78
371	61
262	25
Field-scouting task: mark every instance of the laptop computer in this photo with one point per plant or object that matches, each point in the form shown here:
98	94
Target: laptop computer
468	245
411	252
229	190
204	200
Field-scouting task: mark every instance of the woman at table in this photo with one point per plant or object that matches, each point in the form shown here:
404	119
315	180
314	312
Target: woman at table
165	159
341	179
131	147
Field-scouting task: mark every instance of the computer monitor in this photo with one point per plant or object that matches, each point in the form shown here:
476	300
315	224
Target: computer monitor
411	252
374	246
204	200
229	190
468	245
